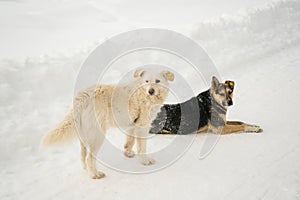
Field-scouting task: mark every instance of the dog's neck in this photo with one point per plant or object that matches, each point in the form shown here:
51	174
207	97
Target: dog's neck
208	98
219	108
216	106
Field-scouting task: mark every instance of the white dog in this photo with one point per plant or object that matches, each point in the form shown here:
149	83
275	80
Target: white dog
131	107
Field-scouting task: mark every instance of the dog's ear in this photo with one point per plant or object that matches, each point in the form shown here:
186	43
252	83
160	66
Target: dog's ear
139	73
168	75
230	84
214	82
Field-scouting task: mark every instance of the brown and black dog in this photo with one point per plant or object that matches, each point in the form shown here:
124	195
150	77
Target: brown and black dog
205	112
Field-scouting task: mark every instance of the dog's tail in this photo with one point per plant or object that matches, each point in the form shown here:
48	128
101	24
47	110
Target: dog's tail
67	129
64	132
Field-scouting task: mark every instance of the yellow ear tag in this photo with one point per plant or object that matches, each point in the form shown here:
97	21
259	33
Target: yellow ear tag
169	74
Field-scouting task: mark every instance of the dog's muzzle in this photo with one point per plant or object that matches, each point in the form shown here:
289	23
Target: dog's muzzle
151	91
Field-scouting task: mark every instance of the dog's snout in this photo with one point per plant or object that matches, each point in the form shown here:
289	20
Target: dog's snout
151	91
230	102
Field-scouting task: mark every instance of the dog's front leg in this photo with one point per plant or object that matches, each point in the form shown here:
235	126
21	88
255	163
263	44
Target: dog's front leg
246	127
238	127
141	134
252	128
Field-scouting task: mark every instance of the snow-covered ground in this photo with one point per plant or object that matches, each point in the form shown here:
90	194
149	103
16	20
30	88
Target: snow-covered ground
34	27
259	51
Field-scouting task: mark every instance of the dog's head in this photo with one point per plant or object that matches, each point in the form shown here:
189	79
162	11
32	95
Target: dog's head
155	83
222	93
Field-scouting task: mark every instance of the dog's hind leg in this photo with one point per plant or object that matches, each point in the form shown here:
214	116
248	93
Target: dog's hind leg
94	146
83	154
129	144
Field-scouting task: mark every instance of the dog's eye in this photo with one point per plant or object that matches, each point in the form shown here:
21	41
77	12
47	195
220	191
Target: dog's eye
223	95
230	92
157	81
147	81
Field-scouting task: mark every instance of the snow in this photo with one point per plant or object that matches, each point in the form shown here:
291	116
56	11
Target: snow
39	27
262	57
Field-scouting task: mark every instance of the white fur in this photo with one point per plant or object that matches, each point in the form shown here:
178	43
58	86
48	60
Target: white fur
129	106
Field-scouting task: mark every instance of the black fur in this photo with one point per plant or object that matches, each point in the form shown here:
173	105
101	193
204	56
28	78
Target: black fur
189	116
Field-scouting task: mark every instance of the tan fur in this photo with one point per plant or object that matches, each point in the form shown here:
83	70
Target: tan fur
237	127
231	127
62	133
98	108
228	126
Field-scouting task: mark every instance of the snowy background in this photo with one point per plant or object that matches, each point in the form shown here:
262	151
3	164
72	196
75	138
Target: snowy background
253	42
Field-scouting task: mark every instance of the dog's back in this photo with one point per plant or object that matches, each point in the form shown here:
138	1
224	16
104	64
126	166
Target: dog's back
183	118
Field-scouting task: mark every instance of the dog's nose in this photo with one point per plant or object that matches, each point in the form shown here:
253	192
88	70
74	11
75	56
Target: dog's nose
230	102
151	91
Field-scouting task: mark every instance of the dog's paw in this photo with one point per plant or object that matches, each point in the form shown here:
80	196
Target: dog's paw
253	128
146	160
259	130
129	153
97	175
